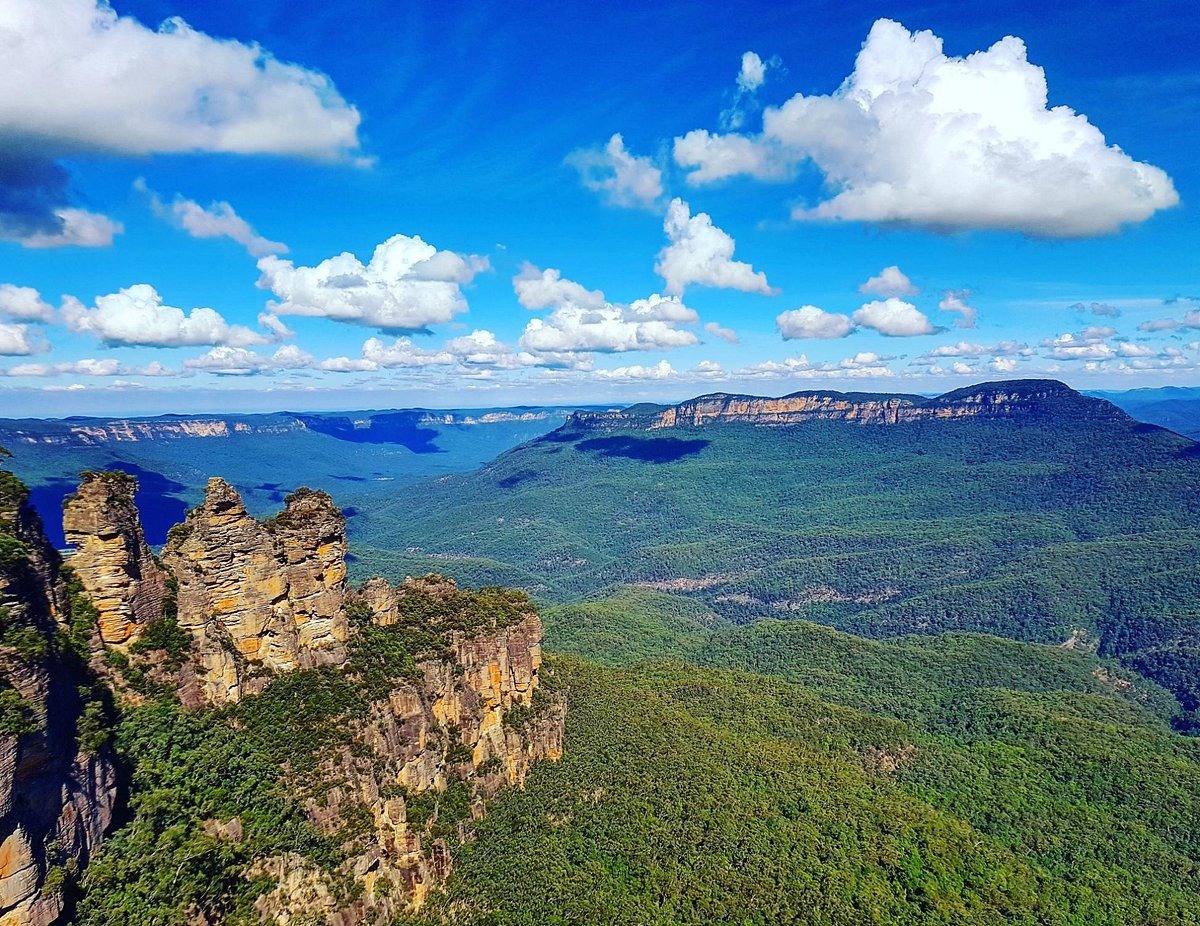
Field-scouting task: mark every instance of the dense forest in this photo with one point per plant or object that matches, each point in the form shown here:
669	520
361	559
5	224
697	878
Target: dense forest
935	674
998	783
1060	526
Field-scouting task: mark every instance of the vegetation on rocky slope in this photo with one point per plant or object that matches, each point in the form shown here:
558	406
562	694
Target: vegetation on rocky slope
258	762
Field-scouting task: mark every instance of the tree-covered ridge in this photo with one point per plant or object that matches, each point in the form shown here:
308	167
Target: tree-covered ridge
1064	524
698	795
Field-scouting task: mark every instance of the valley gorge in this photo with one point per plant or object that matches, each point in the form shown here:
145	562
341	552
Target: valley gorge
393	712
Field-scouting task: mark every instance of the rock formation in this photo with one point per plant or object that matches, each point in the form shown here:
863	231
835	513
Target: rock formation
57	777
259	596
470	720
1023	398
255	599
111	557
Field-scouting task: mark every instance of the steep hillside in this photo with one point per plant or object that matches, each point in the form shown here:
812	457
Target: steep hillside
1033	794
58	775
1020	509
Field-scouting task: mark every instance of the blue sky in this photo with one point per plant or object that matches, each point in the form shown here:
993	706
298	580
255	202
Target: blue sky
611	204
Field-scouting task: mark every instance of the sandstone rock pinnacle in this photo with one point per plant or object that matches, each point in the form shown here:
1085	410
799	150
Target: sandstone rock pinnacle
112	560
260	595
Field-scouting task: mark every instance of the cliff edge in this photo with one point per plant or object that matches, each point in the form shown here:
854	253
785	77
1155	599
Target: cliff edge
1013	399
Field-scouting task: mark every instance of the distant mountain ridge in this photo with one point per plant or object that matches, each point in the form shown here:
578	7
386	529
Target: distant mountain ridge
1005	399
373	426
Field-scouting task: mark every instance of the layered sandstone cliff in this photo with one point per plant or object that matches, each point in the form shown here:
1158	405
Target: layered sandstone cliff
58	782
1016	399
259	598
471	722
112	559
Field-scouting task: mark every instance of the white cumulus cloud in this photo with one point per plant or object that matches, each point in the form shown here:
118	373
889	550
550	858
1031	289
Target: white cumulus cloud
24	304
808	321
647	324
406	286
709	158
18	341
229	361
584	321
893	317
624	179
546	289
753	72
1130	349
891	281
916	137
137	315
660	370
402	352
700	252
1189	320
78	78
1089	344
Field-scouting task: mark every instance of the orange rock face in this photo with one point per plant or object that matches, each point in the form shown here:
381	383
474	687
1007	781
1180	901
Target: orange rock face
111	557
260	596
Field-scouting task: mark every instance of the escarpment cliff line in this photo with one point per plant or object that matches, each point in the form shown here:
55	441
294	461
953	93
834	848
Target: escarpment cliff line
1003	400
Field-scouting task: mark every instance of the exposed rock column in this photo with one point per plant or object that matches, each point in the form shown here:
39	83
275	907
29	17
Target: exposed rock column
260	596
112	560
310	540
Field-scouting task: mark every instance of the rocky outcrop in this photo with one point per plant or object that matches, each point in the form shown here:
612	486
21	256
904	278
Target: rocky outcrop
57	777
381	599
111	557
259	598
1015	399
471	723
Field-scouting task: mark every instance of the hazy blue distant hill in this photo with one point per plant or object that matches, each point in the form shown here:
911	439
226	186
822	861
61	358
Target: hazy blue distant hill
1174	407
357	456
